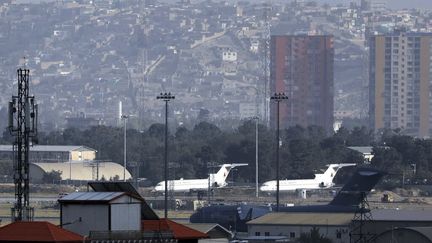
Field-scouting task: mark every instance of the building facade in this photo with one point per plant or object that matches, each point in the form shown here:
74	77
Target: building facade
334	226
399	82
52	153
301	66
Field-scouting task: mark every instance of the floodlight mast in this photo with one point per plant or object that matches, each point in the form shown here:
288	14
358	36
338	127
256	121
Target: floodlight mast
278	97
166	97
22	124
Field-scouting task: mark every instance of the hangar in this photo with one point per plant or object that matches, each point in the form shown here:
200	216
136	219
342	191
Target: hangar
79	171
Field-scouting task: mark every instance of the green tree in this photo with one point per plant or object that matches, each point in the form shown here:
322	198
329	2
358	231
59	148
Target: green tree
52	177
313	237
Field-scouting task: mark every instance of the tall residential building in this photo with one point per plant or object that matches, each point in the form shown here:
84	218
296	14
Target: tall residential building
302	67
399	83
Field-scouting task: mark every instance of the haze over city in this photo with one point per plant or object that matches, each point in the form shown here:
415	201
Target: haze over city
179	121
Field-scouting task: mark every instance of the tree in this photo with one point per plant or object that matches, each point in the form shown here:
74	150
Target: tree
52	177
313	237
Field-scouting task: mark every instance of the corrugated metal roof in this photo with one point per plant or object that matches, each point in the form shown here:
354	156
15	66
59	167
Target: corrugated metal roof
401	215
50	148
303	219
91	196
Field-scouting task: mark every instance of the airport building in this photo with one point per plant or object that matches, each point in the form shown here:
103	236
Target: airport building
399	82
381	225
52	153
301	66
79	171
334	226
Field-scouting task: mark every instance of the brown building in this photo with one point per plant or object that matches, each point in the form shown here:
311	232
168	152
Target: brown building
399	82
301	66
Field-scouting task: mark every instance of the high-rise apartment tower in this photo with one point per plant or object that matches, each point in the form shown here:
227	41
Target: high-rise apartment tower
399	83
302	67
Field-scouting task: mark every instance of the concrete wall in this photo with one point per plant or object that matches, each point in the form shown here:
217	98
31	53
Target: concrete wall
82	218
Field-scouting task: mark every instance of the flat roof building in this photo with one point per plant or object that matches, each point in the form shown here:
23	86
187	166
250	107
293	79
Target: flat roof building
52	153
334	226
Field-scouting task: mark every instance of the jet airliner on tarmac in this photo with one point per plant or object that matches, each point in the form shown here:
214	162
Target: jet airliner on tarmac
191	185
319	182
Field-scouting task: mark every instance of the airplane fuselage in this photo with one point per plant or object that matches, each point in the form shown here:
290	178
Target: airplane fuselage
184	185
190	185
293	185
320	181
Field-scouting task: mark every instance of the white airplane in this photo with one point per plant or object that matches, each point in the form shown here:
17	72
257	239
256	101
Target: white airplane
190	185
320	181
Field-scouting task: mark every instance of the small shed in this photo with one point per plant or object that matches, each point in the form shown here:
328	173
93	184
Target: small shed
82	212
37	231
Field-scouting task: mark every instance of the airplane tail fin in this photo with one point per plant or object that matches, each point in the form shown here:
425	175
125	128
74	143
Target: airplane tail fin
357	188
330	173
221	176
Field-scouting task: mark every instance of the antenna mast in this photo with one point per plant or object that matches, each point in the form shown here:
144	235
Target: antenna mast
22	124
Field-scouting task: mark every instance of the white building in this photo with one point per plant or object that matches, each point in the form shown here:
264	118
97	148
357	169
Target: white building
229	56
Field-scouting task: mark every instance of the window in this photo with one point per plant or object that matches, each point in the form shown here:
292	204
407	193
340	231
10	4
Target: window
338	235
292	234
257	233
267	233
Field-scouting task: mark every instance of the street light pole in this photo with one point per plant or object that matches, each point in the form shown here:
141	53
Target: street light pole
278	97
166	97
124	118
256	156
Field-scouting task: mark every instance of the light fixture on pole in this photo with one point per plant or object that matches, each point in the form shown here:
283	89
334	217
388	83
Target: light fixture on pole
278	97
166	97
124	118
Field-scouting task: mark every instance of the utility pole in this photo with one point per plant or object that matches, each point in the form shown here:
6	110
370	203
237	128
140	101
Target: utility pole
166	97
22	124
124	118
278	97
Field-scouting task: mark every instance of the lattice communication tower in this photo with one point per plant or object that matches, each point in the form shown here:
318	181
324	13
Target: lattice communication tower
22	124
